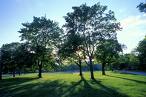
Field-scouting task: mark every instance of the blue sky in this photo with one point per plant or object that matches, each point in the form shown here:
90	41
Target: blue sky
15	12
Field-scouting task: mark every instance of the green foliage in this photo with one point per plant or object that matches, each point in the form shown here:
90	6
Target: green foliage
43	35
9	55
141	49
66	49
41	32
142	7
93	23
24	57
107	50
71	49
127	61
71	46
15	57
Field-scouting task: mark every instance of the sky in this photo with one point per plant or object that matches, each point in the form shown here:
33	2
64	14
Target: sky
15	12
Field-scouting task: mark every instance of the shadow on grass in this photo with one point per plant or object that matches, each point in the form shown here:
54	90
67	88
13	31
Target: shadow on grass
16	81
111	92
101	91
57	88
10	83
142	82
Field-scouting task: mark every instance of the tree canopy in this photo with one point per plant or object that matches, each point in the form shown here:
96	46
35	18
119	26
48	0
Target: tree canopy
93	23
43	35
106	51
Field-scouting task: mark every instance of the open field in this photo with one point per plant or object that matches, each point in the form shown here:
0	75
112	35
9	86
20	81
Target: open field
71	85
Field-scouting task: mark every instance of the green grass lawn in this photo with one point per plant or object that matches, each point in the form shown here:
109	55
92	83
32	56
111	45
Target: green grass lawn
71	85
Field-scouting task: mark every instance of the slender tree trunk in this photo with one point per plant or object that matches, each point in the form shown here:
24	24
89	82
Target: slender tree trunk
91	67
80	66
19	72
103	68
13	72
1	68
40	69
81	74
112	69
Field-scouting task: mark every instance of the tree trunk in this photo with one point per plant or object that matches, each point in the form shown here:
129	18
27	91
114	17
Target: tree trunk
40	69
91	67
80	66
81	71
1	68
19	72
13	72
103	68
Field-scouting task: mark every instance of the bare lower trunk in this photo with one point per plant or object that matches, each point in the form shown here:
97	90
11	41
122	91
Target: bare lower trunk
81	71
40	69
112	69
80	66
13	72
103	68
91	67
19	72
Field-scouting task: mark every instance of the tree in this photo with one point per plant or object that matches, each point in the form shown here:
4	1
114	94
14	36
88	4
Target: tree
141	49
42	34
71	49
106	51
24	57
8	56
133	61
94	24
128	61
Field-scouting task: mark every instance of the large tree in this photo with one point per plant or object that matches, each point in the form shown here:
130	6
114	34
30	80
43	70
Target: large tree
93	23
106	51
42	34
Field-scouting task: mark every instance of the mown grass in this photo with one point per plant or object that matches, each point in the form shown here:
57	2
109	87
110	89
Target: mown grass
71	85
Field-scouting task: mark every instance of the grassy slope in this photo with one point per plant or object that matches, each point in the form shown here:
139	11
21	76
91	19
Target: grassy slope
71	85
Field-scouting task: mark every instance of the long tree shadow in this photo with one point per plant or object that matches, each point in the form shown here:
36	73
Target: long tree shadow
59	88
71	89
142	82
111	92
36	89
9	83
15	81
89	88
101	91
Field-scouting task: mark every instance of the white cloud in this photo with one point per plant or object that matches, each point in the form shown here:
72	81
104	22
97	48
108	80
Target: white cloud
133	21
133	31
144	14
121	10
130	38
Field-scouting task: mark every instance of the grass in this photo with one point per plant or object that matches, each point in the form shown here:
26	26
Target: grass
71	85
